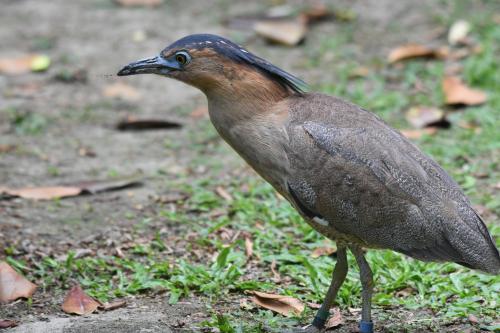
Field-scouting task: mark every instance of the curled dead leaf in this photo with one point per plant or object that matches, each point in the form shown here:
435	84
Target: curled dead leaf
323	251
410	51
418	133
312	305
8	323
43	193
55	192
473	319
316	13
221	191
7	148
113	305
335	319
456	92
421	116
404	292
360	72
276	275
78	302
133	124
86	152
285	305
98	186
13	285
288	32
248	247
123	91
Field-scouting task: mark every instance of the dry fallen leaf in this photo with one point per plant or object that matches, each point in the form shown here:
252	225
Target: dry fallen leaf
139	3
473	319
13	285
418	133
133	124
312	305
43	193
113	305
276	275
221	191
335	319
421	116
317	12
285	305
409	51
288	32
24	64
359	72
8	323
77	302
323	251
98	186
86	152
456	92
123	91
248	247
404	292
54	192
7	148
458	32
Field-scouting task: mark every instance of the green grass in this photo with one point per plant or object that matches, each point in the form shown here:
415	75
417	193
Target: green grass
448	289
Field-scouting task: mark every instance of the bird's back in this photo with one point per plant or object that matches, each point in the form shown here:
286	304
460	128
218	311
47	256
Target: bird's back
351	169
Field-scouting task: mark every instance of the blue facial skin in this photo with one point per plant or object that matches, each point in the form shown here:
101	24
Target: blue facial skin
221	46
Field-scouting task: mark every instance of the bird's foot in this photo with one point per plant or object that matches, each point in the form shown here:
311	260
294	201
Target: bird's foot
365	326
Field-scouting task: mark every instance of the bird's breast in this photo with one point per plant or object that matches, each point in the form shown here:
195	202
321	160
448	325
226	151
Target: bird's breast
259	141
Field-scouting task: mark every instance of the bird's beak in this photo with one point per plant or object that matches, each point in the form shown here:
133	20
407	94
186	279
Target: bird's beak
155	65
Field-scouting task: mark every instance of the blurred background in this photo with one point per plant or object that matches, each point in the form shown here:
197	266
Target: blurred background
122	186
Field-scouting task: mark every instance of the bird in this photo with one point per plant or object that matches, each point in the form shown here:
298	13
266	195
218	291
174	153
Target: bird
350	176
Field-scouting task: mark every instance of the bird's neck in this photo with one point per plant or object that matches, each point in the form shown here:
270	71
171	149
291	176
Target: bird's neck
244	94
255	130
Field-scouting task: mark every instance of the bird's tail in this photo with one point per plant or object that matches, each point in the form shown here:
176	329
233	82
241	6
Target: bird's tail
478	248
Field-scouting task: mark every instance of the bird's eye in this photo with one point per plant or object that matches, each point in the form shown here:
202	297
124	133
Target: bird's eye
182	57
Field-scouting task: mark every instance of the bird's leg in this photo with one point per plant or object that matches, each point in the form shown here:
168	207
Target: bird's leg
366	276
339	274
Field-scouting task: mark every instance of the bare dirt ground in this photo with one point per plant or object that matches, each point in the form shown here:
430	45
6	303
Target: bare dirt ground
97	36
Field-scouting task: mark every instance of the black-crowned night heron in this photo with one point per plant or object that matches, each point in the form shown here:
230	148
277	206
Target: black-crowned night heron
351	176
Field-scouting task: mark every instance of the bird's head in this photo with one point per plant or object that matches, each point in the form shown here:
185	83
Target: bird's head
216	65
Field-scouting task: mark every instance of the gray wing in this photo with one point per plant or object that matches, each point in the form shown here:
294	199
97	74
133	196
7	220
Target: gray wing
374	184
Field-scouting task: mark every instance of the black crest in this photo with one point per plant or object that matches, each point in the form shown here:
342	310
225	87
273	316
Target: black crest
237	53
